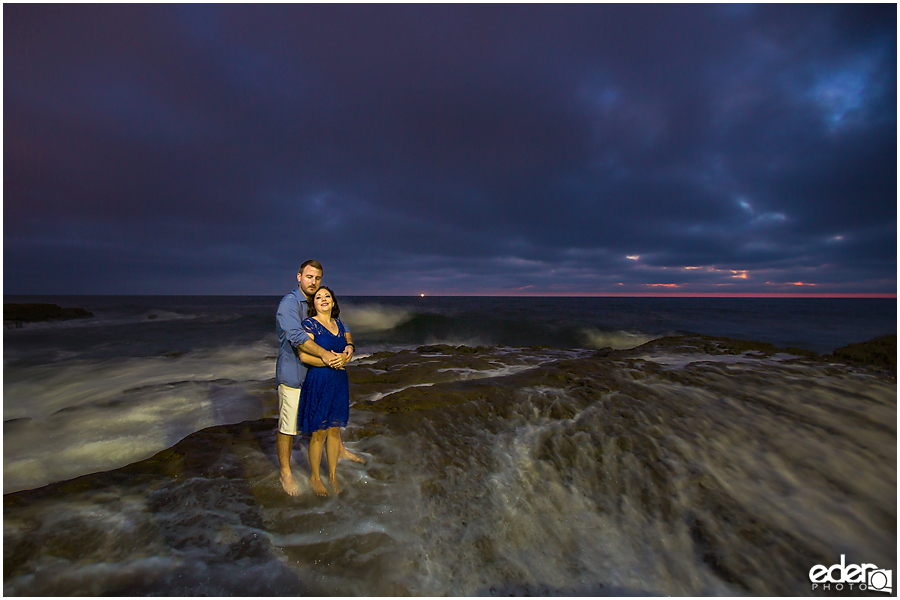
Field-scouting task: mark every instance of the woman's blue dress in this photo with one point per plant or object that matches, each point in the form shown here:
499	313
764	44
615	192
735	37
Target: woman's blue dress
325	395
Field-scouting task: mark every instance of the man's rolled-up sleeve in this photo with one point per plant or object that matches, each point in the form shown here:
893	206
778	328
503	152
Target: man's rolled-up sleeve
289	319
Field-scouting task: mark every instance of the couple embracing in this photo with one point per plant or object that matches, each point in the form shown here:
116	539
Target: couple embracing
313	392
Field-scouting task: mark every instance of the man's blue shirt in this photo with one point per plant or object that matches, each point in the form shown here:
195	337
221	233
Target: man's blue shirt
291	312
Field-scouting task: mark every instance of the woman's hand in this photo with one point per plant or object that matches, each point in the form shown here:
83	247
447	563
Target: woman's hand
334	360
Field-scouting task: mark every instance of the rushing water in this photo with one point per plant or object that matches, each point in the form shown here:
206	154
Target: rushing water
682	467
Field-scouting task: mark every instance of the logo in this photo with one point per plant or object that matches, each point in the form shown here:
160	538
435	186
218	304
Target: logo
864	577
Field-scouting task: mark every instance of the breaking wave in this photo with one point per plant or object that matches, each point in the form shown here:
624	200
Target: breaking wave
368	318
617	340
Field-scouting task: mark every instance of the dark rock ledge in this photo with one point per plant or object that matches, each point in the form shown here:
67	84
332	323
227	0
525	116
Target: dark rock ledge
16	314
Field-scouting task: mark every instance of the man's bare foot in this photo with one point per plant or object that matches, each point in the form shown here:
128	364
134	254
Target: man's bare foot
335	485
347	455
289	485
318	487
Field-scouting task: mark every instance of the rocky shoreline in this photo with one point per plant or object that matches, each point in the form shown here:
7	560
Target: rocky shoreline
15	315
733	466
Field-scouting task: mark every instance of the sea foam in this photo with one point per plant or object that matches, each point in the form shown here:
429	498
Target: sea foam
617	340
80	417
367	318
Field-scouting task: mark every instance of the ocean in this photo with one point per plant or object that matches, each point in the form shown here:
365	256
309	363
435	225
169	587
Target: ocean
468	490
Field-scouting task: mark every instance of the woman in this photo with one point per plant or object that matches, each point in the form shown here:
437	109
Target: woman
325	395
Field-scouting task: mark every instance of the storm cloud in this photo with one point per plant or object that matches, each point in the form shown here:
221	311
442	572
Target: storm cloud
452	149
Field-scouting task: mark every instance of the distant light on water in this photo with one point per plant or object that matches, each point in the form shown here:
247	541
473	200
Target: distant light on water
422	295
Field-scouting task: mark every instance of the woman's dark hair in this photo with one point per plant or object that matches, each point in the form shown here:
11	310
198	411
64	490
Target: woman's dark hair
335	311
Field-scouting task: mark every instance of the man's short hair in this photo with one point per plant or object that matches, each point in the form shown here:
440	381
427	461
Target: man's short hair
311	263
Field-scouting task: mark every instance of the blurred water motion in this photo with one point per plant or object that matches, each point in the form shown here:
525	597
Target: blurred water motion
687	466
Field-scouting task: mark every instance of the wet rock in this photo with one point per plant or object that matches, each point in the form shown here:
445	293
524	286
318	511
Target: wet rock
703	344
18	554
451	350
28	313
734	475
880	352
357	552
252	545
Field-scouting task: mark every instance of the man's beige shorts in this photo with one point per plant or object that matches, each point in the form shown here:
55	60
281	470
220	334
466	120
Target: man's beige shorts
288	404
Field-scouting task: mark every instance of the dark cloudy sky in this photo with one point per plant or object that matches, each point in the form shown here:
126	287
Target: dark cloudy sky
456	149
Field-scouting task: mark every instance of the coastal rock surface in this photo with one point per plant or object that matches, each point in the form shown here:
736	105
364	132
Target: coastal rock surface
687	466
27	313
879	353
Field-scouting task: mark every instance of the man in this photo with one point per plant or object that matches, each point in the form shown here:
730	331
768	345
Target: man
290	371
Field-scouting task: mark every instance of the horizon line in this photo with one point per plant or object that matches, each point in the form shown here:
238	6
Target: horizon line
559	295
695	295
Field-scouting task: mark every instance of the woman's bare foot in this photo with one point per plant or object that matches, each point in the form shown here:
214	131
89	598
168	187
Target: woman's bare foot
346	454
335	485
318	487
289	485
